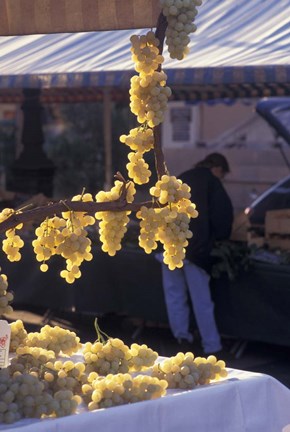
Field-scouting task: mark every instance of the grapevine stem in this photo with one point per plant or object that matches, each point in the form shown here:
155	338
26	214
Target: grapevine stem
24	207
89	207
158	152
82	194
100	333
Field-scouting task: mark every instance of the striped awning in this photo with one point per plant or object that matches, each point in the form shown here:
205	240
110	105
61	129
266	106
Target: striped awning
19	17
239	46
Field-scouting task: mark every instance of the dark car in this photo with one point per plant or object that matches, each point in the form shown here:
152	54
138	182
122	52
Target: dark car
276	111
277	197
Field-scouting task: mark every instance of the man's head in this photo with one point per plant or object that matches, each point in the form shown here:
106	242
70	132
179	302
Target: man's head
217	163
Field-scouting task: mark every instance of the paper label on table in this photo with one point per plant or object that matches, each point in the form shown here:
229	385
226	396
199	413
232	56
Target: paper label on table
5	334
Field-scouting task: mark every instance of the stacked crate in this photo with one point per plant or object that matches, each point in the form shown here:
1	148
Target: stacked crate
277	229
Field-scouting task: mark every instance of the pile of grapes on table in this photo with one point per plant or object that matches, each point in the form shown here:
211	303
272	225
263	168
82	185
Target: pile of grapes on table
52	374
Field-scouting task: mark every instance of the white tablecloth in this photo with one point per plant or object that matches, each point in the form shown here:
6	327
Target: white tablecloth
243	402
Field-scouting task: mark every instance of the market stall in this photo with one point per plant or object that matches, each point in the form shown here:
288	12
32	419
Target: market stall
253	402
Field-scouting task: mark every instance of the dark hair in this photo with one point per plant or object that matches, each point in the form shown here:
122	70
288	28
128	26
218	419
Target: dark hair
215	160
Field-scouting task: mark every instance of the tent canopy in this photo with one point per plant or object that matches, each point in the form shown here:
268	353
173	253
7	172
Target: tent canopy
238	44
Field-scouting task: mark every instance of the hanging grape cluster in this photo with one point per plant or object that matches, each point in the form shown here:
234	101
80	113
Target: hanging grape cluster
167	221
148	101
113	225
180	15
148	93
140	140
168	225
12	244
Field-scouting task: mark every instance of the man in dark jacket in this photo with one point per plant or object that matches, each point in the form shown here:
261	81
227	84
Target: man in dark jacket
214	222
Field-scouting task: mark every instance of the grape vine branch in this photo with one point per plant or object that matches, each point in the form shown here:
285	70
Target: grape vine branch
36	214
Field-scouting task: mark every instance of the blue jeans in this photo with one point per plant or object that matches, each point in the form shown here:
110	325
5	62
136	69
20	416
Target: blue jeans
177	284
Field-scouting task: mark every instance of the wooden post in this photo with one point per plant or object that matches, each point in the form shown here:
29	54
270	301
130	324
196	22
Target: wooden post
108	138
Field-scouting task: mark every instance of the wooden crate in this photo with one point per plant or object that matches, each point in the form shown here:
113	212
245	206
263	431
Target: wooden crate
277	222
255	240
278	242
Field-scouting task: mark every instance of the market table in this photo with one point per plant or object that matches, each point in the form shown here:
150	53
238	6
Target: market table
242	402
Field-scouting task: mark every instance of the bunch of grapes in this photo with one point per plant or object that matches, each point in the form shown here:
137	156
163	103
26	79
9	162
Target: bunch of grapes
140	139
12	244
179	371
56	339
186	206
107	357
138	169
5	297
76	246
169	189
180	15
149	97
174	234
186	372
151	220
148	93
168	225
65	236
113	225
65	375
22	395
210	369
142	357
145	53
121	389
28	359
48	237
65	403
18	335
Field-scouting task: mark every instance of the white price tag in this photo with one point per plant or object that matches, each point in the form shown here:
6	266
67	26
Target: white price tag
5	333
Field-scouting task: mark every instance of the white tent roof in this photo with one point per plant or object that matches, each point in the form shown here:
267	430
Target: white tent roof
237	41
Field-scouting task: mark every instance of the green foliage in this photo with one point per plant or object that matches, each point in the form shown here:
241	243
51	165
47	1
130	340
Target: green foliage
231	258
77	150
